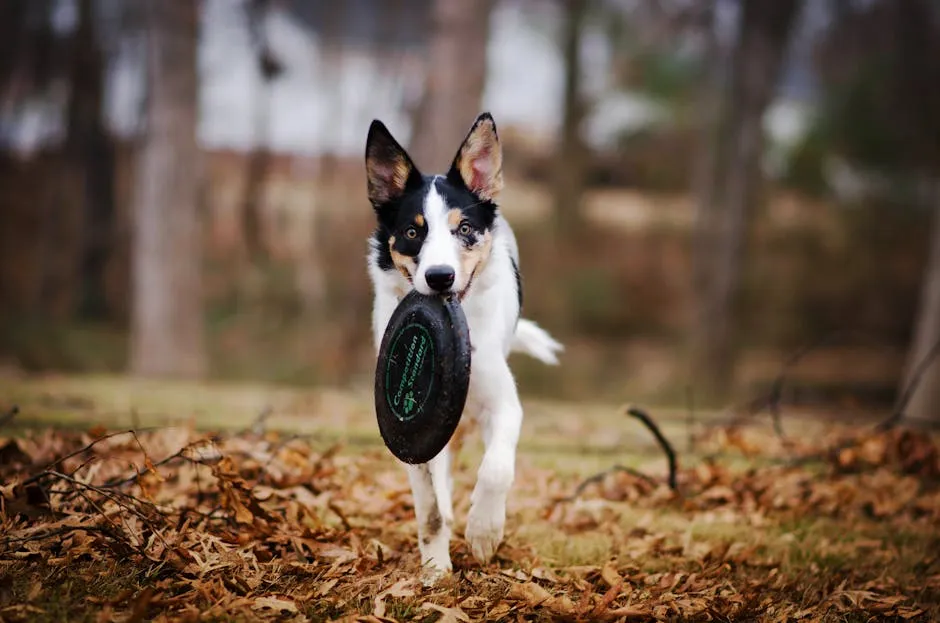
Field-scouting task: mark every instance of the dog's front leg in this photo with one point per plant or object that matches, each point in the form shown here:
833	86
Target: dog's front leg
430	486
493	386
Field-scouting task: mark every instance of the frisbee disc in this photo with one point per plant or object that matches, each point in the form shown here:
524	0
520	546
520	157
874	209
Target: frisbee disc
422	376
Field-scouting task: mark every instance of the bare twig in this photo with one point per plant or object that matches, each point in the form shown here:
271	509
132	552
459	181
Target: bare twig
123	500
134	477
44	473
342	516
9	414
898	413
258	426
598	477
771	401
663	442
36	536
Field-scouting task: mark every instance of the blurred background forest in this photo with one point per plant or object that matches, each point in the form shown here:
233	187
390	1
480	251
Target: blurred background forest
700	189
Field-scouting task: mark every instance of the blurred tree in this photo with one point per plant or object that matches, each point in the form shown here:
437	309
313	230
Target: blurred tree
880	62
91	152
455	80
704	184
571	154
925	402
167	322
270	68
917	71
729	197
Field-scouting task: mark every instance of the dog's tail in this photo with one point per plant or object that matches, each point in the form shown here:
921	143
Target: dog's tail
535	341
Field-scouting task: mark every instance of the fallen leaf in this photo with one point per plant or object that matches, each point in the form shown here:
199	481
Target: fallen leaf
398	589
449	615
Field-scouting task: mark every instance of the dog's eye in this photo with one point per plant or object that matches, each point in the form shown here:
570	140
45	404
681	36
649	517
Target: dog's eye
465	229
411	233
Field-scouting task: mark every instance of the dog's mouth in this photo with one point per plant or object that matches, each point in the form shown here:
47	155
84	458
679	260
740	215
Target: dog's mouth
463	293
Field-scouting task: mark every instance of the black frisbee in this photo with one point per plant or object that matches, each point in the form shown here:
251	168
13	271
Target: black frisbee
422	376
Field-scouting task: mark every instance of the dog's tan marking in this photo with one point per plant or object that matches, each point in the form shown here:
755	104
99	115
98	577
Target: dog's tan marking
386	178
404	263
391	241
473	259
454	216
419	220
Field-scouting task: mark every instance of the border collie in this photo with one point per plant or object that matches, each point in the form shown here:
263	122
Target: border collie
444	234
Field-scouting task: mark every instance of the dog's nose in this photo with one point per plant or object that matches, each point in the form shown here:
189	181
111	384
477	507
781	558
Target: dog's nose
439	277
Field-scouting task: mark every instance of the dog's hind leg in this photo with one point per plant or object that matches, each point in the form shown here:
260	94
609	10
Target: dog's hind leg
501	419
431	490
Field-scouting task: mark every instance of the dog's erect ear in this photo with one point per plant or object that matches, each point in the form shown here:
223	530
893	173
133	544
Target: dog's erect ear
479	161
389	170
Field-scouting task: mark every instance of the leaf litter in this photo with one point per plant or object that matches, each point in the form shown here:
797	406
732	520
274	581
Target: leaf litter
177	525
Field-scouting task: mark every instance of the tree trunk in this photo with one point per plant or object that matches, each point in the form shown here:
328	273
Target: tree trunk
571	153
707	171
167	324
91	153
764	28
455	80
924	404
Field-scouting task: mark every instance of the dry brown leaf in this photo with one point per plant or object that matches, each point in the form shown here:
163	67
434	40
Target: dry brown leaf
448	615
279	606
536	596
610	575
398	589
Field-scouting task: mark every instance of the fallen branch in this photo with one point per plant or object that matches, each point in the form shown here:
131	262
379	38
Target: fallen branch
663	442
45	471
260	423
771	401
106	530
898	413
122	500
598	477
152	466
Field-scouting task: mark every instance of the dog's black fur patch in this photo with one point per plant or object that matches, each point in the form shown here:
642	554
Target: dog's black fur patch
395	217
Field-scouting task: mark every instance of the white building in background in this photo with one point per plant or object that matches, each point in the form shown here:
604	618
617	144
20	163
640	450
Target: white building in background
334	85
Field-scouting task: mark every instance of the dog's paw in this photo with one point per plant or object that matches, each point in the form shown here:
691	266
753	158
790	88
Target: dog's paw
433	571
484	532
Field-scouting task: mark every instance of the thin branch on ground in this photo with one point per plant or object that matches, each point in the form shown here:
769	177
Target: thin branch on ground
45	471
663	442
340	514
598	477
66	530
898	413
176	455
259	424
122	500
772	400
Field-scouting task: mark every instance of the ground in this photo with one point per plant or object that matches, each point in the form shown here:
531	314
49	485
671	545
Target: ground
238	502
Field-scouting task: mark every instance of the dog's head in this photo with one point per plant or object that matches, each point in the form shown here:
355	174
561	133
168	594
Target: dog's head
437	230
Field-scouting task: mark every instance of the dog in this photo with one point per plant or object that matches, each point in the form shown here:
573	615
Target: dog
444	234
